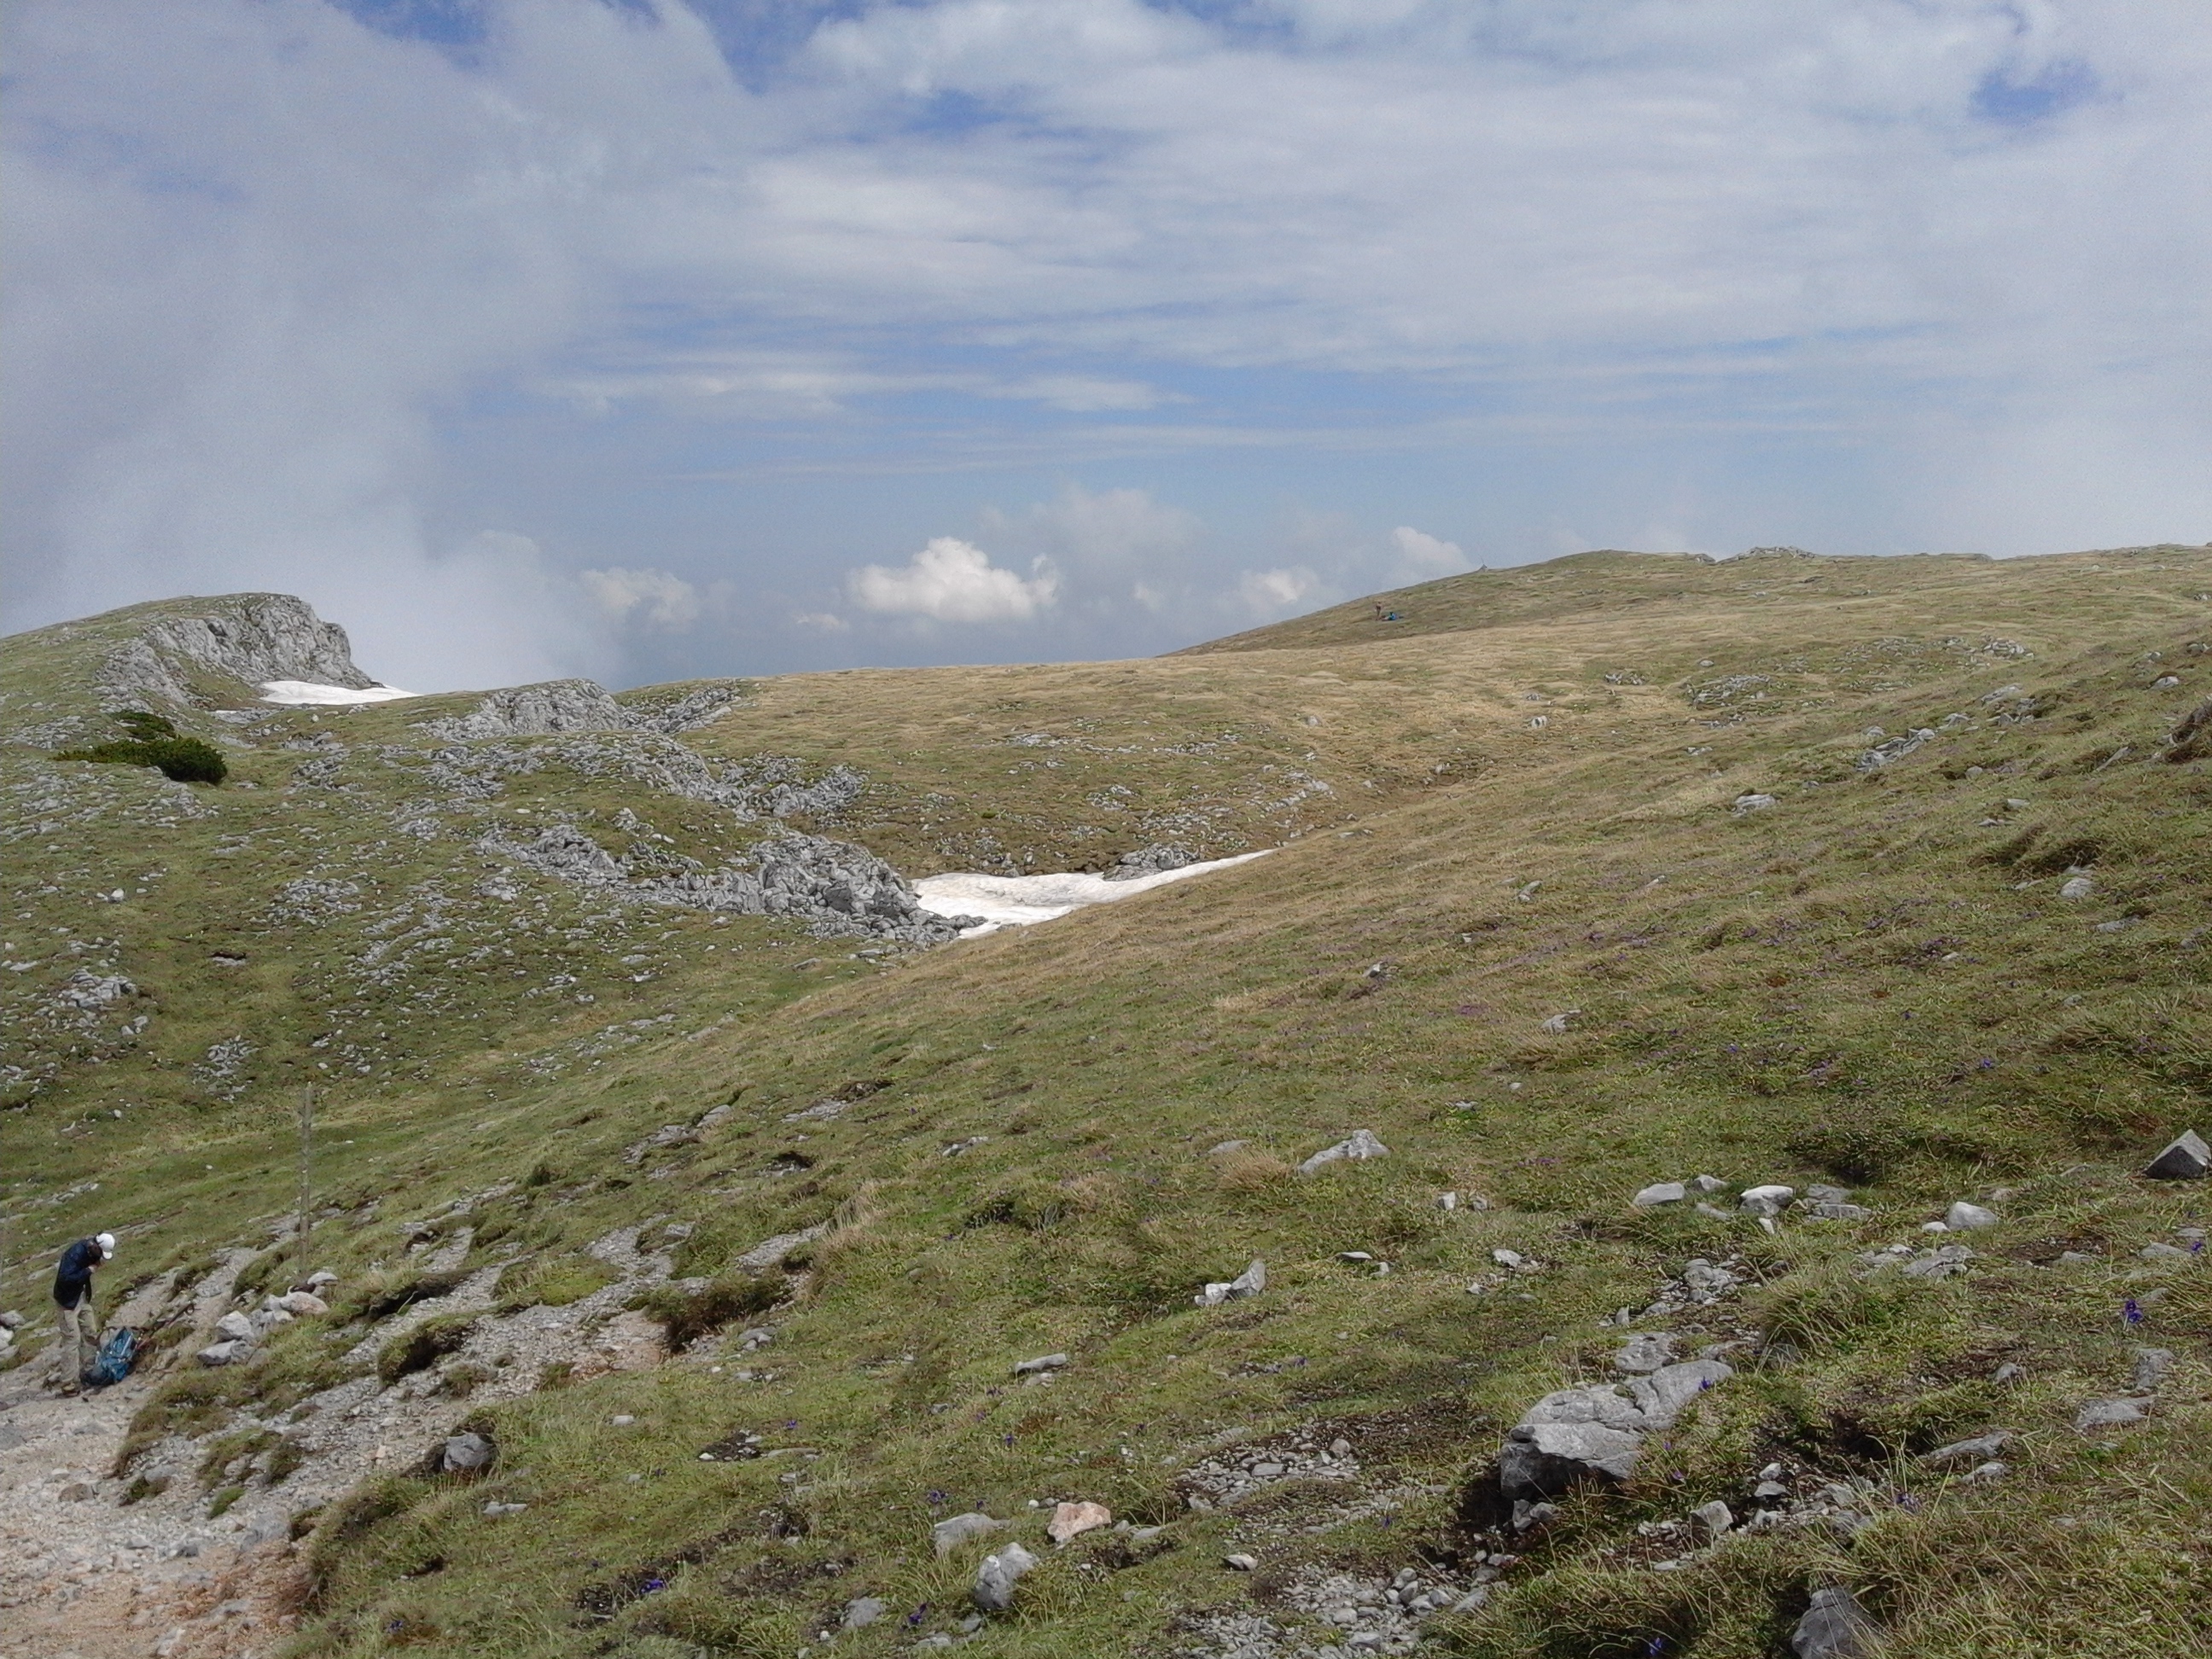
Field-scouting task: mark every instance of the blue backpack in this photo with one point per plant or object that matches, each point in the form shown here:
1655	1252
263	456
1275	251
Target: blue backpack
116	1357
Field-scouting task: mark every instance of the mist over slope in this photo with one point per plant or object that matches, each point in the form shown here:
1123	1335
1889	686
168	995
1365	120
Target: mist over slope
663	1144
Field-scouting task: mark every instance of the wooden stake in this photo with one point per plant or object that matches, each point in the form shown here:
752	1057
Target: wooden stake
307	1141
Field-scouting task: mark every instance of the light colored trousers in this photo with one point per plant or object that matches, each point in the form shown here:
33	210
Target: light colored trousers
80	1344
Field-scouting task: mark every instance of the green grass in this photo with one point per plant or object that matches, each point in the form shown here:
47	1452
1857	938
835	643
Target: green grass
1867	982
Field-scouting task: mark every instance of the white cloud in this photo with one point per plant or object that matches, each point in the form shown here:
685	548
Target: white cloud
1271	592
655	599
822	621
1426	554
954	582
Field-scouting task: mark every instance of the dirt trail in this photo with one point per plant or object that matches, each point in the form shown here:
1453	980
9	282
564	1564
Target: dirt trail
84	1575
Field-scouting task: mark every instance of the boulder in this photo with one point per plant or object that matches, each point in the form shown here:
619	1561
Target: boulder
1540	1459
1250	1282
1359	1145
1074	1520
221	1353
1770	1199
1660	1192
1967	1453
1963	1217
466	1452
2107	1413
2151	1367
321	1277
303	1304
1835	1627
1646	1351
11	1321
1752	803
2186	1157
234	1328
996	1578
949	1535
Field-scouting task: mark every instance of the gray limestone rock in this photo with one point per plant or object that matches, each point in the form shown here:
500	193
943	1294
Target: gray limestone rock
250	637
221	1353
1967	1453
234	1328
1715	1517
2186	1157
1769	1200
1963	1217
1359	1145
1250	1282
949	1535
863	1611
1576	1434
2150	1368
535	711
2107	1414
1150	860
1835	1627
1660	1192
995	1579
1043	1362
1646	1351
466	1452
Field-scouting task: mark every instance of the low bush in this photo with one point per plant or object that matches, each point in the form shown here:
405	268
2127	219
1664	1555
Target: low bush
154	742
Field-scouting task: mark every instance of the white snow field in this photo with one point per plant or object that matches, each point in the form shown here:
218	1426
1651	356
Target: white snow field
306	694
1024	900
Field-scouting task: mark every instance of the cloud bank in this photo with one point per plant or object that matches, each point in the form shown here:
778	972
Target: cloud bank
505	332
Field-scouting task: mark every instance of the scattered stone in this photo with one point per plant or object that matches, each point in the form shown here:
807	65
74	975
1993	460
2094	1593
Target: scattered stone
1043	1362
234	1328
1074	1520
1250	1282
1979	1449
2103	1413
863	1611
1768	1201
1660	1192
1556	1024
1831	1209
1963	1216
1940	1263
1709	1184
1819	1194
1227	1146
497	1510
77	1492
622	1420
1240	1563
1359	1145
2151	1367
1835	1627
1646	1351
2163	1253
303	1304
2186	1157
2075	1258
466	1452
2077	887
1573	1435
321	1277
1752	803
996	1578
11	1321
1715	1517
1528	1515
2009	1373
949	1535
1447	1200
221	1353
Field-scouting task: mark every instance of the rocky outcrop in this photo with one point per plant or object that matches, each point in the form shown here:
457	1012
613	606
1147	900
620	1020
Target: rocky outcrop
833	886
579	705
250	637
1597	1431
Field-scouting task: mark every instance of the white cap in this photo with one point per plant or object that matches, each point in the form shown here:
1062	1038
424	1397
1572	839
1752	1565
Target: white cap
106	1242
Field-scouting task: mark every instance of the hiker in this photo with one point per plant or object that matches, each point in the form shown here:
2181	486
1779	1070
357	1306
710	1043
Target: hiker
79	1343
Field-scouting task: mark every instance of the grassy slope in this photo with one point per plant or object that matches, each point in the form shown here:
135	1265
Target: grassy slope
1864	977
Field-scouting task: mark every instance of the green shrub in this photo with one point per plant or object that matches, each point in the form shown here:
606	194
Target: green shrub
224	1499
687	1316
154	742
424	1346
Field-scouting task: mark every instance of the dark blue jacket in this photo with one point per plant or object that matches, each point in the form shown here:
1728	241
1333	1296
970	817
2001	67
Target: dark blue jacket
73	1279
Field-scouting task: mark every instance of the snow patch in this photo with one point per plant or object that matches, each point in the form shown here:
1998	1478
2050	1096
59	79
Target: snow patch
306	694
1024	900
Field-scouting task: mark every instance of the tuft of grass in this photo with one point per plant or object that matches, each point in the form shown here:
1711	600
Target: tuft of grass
553	1281
687	1316
424	1346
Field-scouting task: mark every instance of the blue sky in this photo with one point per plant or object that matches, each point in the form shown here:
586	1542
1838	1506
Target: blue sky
642	339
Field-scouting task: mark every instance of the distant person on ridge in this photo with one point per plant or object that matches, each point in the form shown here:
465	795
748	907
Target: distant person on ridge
79	1343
